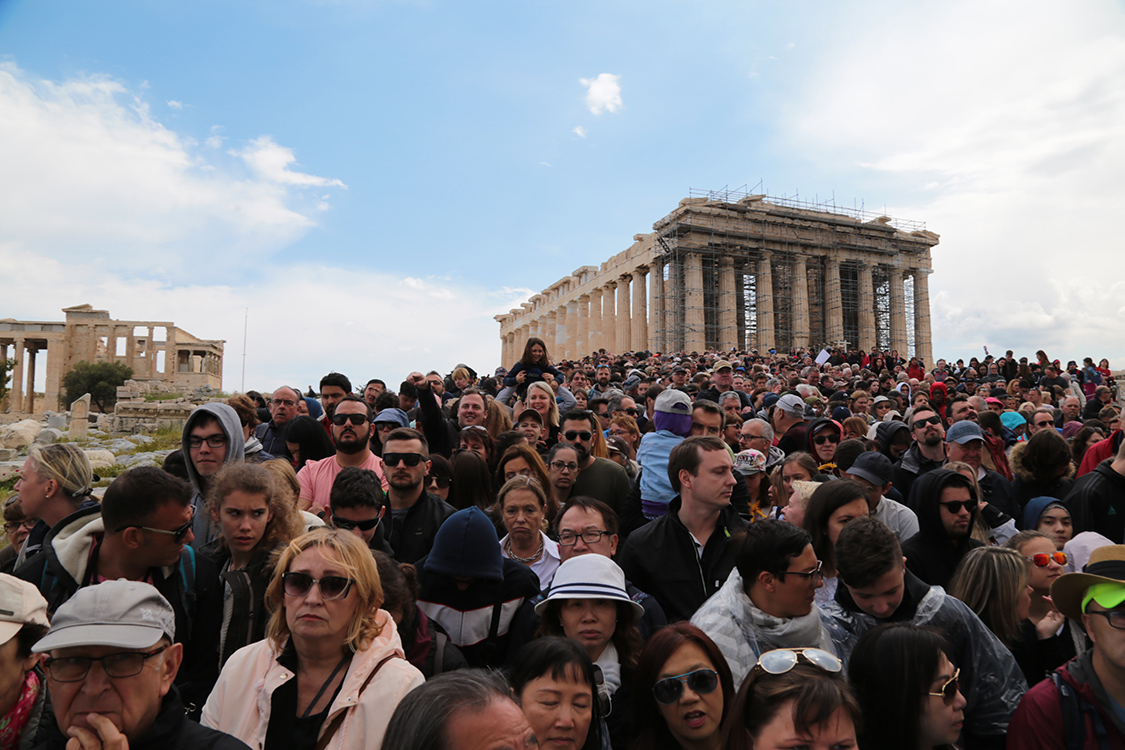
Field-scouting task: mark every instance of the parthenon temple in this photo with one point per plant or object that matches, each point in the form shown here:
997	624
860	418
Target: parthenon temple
180	361
730	270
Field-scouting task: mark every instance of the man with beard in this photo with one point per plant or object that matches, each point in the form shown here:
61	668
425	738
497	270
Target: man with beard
926	453
415	515
351	432
947	507
598	478
333	387
602	376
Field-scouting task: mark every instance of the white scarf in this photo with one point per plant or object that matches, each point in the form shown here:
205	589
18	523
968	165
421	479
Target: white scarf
611	667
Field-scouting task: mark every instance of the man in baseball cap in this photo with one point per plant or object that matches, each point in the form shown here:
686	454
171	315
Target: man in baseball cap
1091	686
788	420
110	668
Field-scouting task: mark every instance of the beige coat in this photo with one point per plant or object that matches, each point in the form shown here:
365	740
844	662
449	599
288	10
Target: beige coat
240	703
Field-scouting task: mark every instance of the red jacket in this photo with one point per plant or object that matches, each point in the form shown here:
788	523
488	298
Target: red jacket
1037	723
1099	452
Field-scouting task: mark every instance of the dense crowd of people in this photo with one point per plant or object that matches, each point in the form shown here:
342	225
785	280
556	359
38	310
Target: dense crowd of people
721	550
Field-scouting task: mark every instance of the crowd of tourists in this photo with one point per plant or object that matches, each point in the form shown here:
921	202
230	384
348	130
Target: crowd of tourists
834	549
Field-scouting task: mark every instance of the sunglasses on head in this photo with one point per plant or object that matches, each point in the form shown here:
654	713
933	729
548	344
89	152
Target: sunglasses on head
345	525
781	660
342	419
410	459
829	438
949	689
1043	559
956	505
573	435
331	587
671	689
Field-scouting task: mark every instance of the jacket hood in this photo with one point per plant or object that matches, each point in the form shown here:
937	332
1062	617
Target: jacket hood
232	427
818	424
938	389
466	546
885	433
71	540
1025	471
927	491
1036	508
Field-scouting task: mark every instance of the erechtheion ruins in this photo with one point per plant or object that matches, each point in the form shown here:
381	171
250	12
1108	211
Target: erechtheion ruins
179	361
731	270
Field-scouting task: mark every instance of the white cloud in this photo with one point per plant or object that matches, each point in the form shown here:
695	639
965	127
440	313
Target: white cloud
271	161
579	131
89	173
1012	155
602	93
173	104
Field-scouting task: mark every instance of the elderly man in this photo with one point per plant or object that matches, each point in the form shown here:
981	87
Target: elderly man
283	408
110	671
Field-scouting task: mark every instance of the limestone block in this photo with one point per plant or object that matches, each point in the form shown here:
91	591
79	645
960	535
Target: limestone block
7	454
79	418
20	434
57	421
49	435
100	459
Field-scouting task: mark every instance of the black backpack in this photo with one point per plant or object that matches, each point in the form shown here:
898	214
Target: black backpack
1074	725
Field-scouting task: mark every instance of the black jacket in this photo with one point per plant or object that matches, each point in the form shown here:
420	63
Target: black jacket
171	730
633	517
911	466
441	433
1097	502
932	554
659	558
248	591
412	536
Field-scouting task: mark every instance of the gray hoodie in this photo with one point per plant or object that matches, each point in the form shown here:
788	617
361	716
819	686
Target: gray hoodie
228	420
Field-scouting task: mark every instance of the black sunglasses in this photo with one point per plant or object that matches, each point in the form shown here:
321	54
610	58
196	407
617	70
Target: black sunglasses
410	459
955	506
177	534
342	419
345	525
331	587
929	420
583	436
670	689
822	439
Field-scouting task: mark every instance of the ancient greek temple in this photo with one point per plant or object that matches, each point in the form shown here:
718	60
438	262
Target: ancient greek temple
737	271
179	361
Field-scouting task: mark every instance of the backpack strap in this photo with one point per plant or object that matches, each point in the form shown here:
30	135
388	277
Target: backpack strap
440	639
334	725
1074	726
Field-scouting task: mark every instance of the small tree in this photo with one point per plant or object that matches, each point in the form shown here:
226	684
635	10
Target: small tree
6	367
99	379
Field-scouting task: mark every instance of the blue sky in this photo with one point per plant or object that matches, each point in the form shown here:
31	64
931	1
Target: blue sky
376	180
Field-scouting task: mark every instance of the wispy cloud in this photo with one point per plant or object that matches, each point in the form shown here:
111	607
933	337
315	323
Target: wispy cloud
602	93
272	161
579	131
173	104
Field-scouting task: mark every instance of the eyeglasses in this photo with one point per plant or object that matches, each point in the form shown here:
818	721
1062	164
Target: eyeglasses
410	459
781	660
342	419
331	587
671	689
283	402
440	482
178	534
27	523
345	525
748	438
1116	617
929	420
955	506
123	664
573	435
822	439
1043	559
1045	424
217	440
564	466
949	689
810	575
590	536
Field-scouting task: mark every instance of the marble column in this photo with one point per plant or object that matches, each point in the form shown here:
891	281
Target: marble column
728	309
534	329
763	288
30	404
54	374
867	332
640	311
562	332
923	342
624	333
609	319
581	345
569	347
16	394
898	312
695	331
171	360
833	300
594	341
656	326
800	303
548	328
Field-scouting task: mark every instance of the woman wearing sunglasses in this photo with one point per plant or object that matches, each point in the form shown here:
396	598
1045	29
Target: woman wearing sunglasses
822	438
684	688
17	526
908	687
252	519
588	603
1047	639
793	698
331	670
556	686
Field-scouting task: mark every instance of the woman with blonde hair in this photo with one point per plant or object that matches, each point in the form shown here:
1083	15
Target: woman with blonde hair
993	582
54	482
331	669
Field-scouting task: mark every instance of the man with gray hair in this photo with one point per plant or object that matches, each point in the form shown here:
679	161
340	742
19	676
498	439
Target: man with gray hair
110	671
730	403
469	709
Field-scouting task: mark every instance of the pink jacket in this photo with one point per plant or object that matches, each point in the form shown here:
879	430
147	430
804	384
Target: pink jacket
240	703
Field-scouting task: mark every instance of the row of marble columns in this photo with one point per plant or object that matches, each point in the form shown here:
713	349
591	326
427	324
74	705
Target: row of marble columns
623	315
24	353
